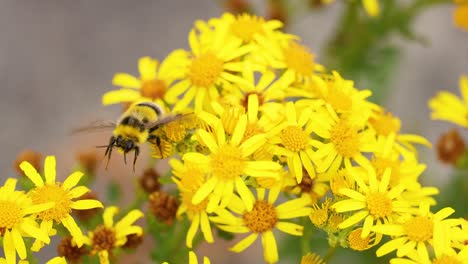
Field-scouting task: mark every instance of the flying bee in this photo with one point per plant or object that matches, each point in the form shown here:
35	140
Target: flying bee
141	122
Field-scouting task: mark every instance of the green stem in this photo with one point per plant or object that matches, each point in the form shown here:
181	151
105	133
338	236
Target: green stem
306	236
331	251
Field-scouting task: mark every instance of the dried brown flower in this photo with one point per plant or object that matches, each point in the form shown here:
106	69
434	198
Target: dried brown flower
163	206
33	157
149	181
450	147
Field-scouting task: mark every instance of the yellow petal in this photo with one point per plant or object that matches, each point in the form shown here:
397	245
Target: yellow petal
204	190
19	243
126	80
49	169
120	96
205	227
354	219
239	130
31	173
192	230
372	7
129	219
108	216
72	180
390	246
290	228
70	224
86	204
147	68
9	248
270	250
244	243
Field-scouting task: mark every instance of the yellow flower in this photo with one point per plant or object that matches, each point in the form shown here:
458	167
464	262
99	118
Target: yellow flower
213	60
359	243
62	194
154	81
374	200
418	232
447	106
262	219
105	238
347	101
371	7
292	138
414	258
189	178
228	161
460	14
294	58
266	92
17	221
345	142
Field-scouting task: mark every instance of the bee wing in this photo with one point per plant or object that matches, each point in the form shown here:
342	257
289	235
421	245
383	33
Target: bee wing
95	126
168	119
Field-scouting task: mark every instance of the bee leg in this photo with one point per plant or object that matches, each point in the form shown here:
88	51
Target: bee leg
125	158
158	143
108	152
137	152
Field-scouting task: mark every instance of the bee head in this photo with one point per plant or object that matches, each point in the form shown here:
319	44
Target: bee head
124	145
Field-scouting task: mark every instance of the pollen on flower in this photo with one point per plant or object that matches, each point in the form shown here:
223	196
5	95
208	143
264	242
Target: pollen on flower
103	238
444	259
164	150
334	221
419	228
356	242
52	193
294	138
10	215
379	205
299	58
205	70
246	26
385	123
262	217
227	163
345	139
153	89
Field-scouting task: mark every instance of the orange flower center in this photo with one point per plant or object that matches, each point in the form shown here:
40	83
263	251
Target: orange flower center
262	217
345	139
205	70
153	89
227	163
10	216
52	193
356	242
419	229
379	205
103	238
294	138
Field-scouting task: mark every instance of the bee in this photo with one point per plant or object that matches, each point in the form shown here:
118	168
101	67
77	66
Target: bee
140	123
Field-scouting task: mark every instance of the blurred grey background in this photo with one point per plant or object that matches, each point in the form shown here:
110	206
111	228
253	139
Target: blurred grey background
58	57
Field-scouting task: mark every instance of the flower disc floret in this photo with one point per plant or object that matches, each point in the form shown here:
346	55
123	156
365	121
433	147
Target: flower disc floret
205	70
10	216
228	163
262	217
379	205
419	228
52	193
294	138
345	139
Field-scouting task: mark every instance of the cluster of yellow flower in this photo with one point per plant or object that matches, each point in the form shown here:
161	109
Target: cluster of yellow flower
277	122
46	207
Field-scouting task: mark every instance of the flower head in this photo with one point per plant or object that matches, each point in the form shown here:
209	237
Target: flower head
262	219
109	236
17	221
64	195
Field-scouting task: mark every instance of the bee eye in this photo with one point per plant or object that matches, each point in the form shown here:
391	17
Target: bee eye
118	140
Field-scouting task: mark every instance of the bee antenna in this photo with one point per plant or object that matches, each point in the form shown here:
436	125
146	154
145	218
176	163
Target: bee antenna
103	146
